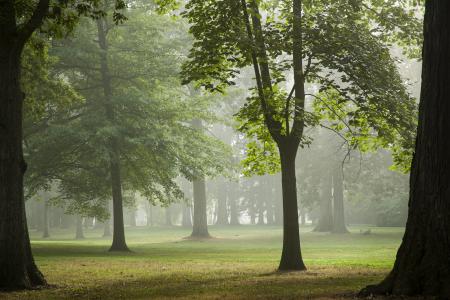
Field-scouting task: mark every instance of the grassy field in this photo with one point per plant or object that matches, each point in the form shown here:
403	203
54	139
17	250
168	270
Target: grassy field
238	263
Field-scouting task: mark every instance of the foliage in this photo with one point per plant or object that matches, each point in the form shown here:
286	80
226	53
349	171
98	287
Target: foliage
153	115
351	77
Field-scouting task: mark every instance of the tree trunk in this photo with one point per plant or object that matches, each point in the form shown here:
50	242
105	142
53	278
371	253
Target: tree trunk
325	223
200	226
79	229
422	266
46	232
291	257
17	267
119	243
338	201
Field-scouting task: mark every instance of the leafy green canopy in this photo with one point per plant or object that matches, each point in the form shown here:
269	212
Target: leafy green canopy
153	114
353	85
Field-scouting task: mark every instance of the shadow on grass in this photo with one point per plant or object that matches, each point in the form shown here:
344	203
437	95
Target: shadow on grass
228	286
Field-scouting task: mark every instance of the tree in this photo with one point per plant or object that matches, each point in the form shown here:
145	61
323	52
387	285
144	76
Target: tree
200	218
422	266
17	25
231	35
150	110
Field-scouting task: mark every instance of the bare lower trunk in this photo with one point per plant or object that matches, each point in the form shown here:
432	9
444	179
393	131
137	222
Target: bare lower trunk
291	258
17	267
200	226
422	266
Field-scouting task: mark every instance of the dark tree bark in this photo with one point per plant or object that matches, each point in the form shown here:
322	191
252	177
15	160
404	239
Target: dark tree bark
17	267
118	243
339	225
325	222
79	235
422	266
46	232
291	257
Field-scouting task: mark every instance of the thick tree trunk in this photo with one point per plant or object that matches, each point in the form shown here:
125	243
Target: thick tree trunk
338	201
422	266
46	232
79	235
17	267
118	243
291	257
200	226
325	223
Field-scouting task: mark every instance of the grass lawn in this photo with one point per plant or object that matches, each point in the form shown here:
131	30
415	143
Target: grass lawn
239	263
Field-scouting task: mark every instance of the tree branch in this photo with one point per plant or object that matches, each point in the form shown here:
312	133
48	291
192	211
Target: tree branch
34	22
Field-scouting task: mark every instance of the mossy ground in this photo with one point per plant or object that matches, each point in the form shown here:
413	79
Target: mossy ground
238	263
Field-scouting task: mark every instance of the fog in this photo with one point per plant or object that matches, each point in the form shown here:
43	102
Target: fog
222	149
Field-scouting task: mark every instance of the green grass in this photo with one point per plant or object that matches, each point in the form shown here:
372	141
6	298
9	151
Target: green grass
238	263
